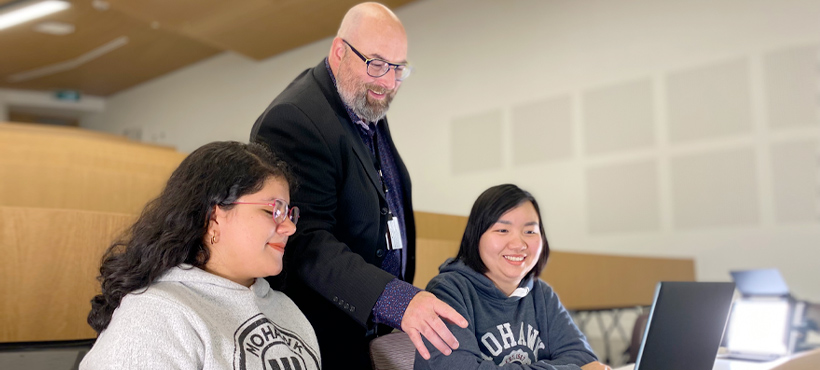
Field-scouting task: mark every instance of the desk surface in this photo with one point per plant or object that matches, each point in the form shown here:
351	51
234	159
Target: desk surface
724	364
801	361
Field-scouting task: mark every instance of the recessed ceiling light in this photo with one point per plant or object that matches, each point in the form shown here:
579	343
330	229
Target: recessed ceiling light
100	5
55	28
28	10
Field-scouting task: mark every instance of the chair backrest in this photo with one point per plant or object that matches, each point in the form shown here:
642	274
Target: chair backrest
637	336
393	351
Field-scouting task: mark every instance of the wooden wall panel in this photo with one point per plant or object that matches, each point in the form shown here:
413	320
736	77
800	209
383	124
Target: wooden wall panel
77	188
591	281
59	167
430	254
437	238
65	194
439	226
55	145
48	271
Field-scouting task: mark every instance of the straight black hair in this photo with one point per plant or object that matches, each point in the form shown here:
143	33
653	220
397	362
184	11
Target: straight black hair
487	209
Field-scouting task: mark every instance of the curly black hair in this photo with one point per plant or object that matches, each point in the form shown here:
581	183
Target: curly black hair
171	228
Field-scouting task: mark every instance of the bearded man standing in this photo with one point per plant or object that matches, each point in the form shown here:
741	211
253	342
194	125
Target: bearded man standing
350	265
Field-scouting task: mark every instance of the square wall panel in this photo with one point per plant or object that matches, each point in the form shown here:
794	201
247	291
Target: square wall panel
792	87
795	173
619	117
709	102
542	131
623	198
476	142
715	189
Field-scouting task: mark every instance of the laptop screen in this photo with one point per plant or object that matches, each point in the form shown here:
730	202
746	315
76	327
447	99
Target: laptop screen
685	326
762	282
759	326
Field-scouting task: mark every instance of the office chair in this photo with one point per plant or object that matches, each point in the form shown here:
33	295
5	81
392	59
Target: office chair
393	351
637	336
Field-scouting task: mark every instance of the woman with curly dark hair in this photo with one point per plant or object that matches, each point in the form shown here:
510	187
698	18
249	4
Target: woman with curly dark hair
185	287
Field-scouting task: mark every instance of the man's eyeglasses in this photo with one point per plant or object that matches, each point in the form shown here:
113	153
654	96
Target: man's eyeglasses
379	67
279	210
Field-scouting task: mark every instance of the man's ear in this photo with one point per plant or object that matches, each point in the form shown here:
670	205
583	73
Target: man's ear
337	52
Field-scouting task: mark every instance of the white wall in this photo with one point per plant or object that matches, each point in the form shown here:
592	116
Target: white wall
676	128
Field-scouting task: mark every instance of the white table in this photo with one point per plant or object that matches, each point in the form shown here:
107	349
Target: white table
724	364
802	361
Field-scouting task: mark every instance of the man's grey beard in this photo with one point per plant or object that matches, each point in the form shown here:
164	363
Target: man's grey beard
357	98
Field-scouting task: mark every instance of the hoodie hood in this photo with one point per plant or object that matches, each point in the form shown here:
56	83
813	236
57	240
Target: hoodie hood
483	283
188	274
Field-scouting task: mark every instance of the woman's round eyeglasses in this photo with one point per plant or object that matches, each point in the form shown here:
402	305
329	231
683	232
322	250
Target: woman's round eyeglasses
279	210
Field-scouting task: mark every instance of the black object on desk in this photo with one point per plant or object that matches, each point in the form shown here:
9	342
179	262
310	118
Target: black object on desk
685	326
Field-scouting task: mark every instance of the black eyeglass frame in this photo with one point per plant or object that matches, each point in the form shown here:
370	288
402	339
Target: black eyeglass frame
401	75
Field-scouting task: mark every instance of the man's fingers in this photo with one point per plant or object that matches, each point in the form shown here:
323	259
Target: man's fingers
444	333
423	318
430	334
416	339
444	310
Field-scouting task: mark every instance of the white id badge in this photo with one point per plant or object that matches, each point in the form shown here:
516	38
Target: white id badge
393	234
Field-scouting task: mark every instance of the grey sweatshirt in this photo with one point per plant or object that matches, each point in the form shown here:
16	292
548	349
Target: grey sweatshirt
529	330
192	319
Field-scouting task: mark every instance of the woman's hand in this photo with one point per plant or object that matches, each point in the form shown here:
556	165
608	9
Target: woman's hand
595	366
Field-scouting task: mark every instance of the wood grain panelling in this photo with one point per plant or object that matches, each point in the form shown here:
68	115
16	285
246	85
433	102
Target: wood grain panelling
55	182
48	272
149	53
75	146
162	37
256	28
440	226
59	167
591	281
430	254
77	188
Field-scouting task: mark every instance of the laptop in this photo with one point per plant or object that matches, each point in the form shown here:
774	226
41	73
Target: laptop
685	326
760	322
761	283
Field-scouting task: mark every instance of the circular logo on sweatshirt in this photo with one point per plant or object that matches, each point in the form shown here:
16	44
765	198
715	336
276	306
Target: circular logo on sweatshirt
516	357
262	344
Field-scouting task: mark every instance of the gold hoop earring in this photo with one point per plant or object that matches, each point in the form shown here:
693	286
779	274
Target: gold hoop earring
213	239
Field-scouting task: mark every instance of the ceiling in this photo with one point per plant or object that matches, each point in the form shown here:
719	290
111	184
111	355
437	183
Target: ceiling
120	43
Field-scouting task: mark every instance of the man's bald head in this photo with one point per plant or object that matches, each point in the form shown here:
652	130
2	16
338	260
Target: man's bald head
365	19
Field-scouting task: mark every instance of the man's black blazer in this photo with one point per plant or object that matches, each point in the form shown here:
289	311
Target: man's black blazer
332	261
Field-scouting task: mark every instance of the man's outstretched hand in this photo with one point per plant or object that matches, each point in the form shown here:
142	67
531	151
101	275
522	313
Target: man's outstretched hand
423	317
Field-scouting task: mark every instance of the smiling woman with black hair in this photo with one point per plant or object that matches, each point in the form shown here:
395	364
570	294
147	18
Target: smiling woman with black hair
515	319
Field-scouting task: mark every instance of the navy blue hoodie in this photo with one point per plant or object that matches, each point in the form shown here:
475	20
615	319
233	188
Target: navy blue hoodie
529	330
